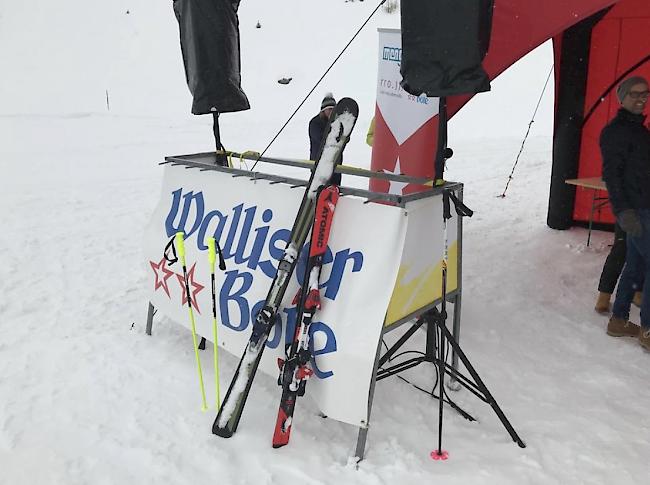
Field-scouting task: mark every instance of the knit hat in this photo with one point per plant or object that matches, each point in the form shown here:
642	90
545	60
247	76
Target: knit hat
328	101
623	89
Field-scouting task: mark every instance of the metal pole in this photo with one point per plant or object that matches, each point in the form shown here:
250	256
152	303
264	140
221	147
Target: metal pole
363	429
150	313
453	383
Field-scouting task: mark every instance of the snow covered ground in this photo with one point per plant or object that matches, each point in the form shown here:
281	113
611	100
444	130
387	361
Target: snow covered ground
87	398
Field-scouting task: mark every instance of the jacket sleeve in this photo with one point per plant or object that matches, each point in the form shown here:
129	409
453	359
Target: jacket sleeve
614	150
370	137
315	135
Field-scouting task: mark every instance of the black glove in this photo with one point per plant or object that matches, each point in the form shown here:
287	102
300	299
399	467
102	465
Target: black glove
629	222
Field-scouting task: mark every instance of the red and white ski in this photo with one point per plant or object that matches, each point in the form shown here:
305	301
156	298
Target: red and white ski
295	370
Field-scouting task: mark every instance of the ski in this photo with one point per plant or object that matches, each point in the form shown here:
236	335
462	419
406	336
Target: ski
295	369
340	126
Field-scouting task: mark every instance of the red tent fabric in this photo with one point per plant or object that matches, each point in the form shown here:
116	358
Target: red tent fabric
520	25
619	48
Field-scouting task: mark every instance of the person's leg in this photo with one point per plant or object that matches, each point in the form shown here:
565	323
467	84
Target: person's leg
614	262
645	305
629	280
611	271
619	325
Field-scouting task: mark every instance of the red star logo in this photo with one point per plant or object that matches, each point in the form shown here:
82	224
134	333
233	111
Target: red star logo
416	154
194	288
162	275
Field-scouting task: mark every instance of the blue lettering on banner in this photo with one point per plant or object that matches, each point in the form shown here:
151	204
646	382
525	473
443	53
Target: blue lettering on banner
235	229
392	54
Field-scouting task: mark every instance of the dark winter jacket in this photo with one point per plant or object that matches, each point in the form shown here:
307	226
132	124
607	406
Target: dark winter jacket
625	147
316	129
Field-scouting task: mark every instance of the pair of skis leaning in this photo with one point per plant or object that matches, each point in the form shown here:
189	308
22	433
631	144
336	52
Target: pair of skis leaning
338	131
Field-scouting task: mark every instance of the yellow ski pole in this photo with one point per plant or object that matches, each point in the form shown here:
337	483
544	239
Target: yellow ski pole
212	257
180	245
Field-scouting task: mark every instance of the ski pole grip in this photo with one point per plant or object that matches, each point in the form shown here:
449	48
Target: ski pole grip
180	244
212	253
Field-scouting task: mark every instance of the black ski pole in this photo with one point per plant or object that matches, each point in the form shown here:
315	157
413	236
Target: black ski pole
439	453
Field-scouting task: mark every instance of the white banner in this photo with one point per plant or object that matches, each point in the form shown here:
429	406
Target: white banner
251	220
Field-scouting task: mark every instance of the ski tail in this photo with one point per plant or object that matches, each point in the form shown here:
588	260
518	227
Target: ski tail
340	126
230	412
227	420
295	370
283	423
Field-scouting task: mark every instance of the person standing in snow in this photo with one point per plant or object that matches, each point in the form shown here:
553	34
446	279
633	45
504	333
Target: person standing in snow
625	148
317	129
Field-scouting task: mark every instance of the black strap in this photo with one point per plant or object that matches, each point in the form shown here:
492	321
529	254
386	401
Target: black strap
222	261
174	258
446	209
461	209
171	260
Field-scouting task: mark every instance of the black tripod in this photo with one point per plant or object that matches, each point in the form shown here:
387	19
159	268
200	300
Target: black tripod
438	341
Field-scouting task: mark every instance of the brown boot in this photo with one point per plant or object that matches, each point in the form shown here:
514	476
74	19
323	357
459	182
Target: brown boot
602	303
619	327
638	299
644	338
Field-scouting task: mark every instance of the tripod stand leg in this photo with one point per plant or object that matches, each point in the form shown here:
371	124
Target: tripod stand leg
490	399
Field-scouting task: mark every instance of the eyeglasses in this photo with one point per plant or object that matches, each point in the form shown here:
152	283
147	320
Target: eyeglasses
639	94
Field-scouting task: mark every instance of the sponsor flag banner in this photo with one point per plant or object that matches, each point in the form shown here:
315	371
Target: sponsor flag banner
406	126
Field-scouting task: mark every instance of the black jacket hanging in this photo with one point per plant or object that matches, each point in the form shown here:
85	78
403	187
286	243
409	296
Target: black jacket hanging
209	33
443	45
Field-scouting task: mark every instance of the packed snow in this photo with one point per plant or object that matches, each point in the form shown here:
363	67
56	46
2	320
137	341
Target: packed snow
93	96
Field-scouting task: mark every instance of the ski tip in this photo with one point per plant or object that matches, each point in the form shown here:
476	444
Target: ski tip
347	100
347	104
278	445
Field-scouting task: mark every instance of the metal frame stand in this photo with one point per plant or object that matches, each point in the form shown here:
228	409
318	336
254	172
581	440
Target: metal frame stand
435	353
